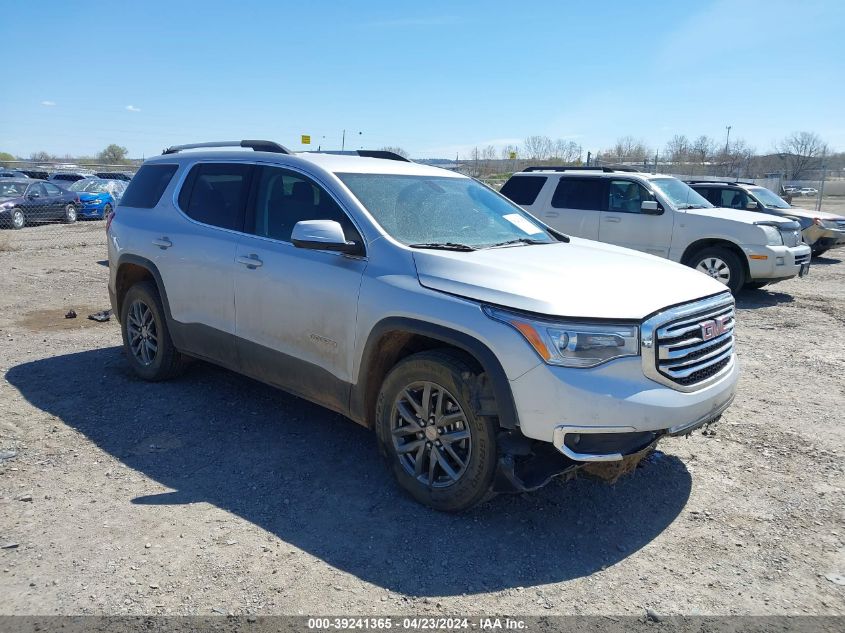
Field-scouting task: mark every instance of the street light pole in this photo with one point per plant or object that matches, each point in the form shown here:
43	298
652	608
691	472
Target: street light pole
727	139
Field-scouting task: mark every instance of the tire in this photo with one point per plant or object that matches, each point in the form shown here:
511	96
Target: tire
70	214
755	285
106	211
721	264
146	339
462	472
818	252
17	219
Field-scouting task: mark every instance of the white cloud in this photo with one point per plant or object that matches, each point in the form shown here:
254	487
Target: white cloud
132	108
48	104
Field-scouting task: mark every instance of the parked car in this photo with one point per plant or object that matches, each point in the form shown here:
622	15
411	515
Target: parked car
35	173
25	200
821	231
65	178
113	175
488	351
663	216
97	196
12	173
808	191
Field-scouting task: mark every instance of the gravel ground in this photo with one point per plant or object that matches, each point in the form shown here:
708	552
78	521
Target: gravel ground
216	494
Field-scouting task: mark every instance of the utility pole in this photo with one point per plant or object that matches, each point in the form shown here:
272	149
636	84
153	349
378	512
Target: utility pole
589	156
727	139
821	185
343	142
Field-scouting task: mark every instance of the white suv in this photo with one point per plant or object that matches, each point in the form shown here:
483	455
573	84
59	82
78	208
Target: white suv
663	216
488	351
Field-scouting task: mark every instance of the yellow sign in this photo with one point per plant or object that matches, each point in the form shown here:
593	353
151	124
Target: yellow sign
512	155
306	139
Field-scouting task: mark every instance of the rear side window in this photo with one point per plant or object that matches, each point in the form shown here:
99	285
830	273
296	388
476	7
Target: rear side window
216	194
523	189
146	188
579	193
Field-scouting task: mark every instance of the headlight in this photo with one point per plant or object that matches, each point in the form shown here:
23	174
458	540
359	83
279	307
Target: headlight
773	237
572	344
826	224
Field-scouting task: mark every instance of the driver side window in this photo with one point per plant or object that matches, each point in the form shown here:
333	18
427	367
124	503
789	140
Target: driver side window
626	196
733	199
283	198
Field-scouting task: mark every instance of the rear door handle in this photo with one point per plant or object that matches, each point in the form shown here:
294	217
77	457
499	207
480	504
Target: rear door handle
163	243
552	214
252	262
613	218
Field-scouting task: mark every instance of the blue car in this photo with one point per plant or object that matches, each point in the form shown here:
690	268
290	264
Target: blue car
97	196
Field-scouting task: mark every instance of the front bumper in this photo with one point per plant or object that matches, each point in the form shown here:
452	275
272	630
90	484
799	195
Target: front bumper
775	262
614	406
90	210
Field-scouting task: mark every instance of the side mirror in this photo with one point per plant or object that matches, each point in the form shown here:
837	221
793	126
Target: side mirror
751	205
650	207
322	235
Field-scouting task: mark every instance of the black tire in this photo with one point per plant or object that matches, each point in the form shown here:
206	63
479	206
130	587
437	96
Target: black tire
454	377
70	214
818	252
703	259
17	219
106	211
166	362
755	285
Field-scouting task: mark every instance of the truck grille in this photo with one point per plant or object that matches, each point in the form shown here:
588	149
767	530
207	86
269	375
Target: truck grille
802	259
692	345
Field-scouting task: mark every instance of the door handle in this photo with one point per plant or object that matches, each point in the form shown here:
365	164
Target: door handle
552	214
163	243
252	262
613	218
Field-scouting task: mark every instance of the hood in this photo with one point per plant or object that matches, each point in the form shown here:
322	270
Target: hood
583	279
739	215
807	213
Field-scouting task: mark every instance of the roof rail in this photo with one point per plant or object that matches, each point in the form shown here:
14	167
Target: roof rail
608	169
258	146
364	153
718	182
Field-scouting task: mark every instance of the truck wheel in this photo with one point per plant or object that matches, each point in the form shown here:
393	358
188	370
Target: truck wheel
818	252
722	265
146	339
439	449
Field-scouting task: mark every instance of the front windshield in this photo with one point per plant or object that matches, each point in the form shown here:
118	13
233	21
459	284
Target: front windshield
768	198
679	194
426	210
12	189
90	185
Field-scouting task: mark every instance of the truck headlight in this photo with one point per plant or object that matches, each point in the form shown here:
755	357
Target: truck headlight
773	236
572	344
826	224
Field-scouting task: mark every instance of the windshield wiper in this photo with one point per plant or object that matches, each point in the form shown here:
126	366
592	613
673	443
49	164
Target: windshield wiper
446	246
519	240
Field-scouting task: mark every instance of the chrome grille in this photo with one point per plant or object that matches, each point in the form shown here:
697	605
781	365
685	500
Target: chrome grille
802	259
692	345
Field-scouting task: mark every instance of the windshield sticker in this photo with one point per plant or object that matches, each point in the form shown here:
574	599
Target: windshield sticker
522	224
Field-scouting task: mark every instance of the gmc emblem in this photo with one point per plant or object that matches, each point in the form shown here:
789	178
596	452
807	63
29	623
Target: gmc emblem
714	327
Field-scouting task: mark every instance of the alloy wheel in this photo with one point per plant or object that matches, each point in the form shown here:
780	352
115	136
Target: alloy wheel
18	219
70	213
142	333
717	268
431	434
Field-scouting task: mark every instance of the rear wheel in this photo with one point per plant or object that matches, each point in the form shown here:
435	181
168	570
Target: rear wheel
107	211
818	251
722	265
146	339
756	285
70	214
440	451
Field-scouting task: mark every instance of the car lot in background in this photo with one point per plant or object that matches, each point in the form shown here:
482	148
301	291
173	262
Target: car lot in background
25	201
808	191
65	178
11	173
821	231
113	175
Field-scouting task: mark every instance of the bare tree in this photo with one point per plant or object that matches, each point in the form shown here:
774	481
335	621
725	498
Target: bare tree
703	149
738	154
565	151
628	149
395	150
537	147
800	152
507	150
40	157
678	149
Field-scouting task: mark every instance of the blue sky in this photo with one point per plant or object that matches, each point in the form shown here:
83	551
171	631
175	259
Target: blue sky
435	78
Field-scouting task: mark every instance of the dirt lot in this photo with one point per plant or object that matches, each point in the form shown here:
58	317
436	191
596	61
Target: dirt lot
216	494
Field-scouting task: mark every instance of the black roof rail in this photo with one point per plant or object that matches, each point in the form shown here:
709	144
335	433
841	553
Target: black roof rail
364	153
258	146
719	182
608	169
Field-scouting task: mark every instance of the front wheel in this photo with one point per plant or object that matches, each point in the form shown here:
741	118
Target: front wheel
17	219
439	449
722	265
70	214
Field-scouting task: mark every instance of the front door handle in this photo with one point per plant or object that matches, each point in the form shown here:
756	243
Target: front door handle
252	262
552	214
613	218
163	243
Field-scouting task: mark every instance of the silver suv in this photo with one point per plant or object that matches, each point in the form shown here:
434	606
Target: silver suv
488	351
